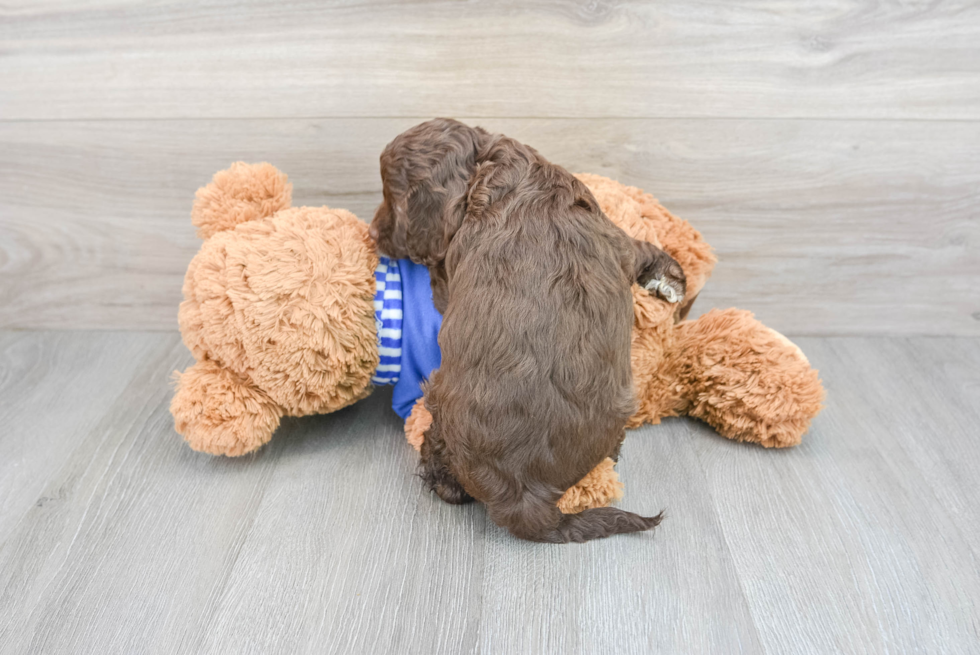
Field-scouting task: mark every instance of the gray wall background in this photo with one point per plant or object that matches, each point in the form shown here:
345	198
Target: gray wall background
830	152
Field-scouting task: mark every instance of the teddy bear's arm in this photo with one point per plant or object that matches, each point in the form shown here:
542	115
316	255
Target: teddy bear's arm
220	413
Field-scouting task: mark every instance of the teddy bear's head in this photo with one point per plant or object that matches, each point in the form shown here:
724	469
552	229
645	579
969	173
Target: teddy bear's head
281	296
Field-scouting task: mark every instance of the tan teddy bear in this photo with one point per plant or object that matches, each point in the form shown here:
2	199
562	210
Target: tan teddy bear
279	313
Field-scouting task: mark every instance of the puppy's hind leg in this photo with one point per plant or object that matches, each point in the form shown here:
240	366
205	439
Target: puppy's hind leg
435	472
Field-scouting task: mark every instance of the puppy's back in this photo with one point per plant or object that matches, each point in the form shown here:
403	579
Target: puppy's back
535	385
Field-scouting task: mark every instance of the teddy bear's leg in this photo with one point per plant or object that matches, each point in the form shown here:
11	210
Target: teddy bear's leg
597	489
220	413
417	423
747	381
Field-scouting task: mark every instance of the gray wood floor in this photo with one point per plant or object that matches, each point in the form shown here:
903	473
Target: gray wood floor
828	151
116	538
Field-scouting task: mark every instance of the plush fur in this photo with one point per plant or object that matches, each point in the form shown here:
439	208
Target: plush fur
275	332
278	310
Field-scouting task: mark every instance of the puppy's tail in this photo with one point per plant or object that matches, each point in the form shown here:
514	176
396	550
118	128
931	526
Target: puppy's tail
538	519
602	522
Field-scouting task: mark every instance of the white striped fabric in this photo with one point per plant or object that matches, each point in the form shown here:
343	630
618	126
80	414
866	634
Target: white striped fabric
388	319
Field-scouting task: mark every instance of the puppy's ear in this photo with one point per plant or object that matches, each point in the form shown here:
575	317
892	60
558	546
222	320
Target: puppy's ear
481	193
399	215
503	162
430	221
453	218
390	222
439	282
459	184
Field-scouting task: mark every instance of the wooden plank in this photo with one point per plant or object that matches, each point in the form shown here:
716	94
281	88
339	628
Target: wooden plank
862	538
821	227
859	540
379	566
670	592
55	388
346	553
325	541
939	421
218	59
128	549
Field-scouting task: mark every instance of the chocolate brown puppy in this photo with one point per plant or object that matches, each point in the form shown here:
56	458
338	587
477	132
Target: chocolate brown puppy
534	283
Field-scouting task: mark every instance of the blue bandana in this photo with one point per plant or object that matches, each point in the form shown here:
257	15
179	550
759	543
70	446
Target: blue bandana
408	330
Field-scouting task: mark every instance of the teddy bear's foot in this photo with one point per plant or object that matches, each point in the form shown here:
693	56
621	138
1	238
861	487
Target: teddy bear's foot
218	412
597	489
747	381
417	423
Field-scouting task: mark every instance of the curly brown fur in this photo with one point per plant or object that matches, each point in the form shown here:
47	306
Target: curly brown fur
535	385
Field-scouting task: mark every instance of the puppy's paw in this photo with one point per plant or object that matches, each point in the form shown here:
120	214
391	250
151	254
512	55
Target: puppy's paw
664	278
445	486
452	493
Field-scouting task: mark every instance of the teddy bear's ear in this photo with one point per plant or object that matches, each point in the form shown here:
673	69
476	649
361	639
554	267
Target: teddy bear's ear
243	192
